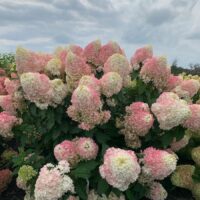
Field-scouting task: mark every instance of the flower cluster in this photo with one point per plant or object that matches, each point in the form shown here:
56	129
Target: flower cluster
182	176
173	81
5	179
157	164
53	67
91	52
86	105
111	83
75	68
7	122
66	150
155	70
2	86
53	182
118	63
82	148
11	99
137	123
38	88
29	61
170	110
193	122
25	174
176	145
187	88
8	154
157	192
140	56
108	50
120	168
6	103
196	155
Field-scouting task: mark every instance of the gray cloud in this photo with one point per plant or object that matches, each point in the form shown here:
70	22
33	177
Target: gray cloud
171	26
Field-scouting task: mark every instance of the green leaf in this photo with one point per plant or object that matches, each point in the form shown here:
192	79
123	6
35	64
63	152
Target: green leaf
104	148
196	175
75	130
140	190
65	127
102	186
116	192
102	137
33	109
80	188
166	139
129	195
50	119
84	169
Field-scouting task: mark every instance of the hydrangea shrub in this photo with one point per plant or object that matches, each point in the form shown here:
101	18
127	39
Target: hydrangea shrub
91	124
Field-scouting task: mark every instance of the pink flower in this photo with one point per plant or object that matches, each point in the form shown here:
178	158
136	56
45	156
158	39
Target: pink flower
120	168
91	52
170	110
117	63
7	104
77	50
90	81
7	122
2	72
187	88
54	67
138	121
29	61
108	50
75	68
173	81
140	56
61	54
11	86
36	88
66	150
193	122
86	107
157	192
158	164
177	145
2	86
86	148
5	179
85	97
155	70
111	83
137	107
52	183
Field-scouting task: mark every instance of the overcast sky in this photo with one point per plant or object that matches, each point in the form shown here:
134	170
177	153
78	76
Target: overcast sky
172	27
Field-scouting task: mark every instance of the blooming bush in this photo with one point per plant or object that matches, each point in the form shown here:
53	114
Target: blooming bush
89	124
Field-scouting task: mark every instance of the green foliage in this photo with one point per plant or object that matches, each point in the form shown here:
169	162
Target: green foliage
196	174
84	169
7	62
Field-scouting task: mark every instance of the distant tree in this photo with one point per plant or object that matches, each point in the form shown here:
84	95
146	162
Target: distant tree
193	69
